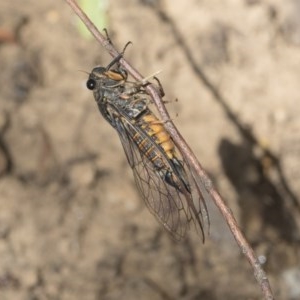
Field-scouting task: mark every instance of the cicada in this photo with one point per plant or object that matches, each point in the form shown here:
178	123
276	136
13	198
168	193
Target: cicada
161	175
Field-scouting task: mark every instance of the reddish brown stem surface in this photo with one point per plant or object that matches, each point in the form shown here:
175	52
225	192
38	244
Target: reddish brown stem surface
187	152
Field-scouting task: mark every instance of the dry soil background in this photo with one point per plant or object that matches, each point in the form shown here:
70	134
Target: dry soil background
72	225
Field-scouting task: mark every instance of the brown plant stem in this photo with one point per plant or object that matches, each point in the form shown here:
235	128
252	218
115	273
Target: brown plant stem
188	154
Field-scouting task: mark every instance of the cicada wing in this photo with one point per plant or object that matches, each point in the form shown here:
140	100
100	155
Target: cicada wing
200	197
172	208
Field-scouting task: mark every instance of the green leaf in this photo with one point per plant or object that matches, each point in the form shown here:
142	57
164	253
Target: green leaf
97	12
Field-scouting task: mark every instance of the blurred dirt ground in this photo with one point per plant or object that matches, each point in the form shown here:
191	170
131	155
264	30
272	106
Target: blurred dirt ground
72	225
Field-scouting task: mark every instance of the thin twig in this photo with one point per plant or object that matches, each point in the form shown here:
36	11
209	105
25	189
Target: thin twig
188	154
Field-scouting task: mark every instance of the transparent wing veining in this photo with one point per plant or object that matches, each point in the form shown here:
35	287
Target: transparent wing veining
174	209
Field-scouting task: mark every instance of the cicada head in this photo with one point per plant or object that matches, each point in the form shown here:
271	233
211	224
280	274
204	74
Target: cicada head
108	78
102	78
